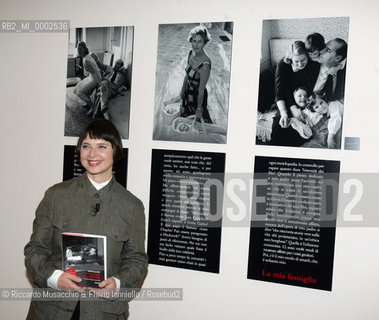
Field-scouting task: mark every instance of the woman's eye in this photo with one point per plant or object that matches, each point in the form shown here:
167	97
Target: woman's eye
85	147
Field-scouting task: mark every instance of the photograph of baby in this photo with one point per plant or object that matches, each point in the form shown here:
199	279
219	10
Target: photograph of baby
302	82
192	82
99	71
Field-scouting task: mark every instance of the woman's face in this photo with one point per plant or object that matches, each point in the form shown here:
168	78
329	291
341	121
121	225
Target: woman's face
96	156
198	43
299	61
81	51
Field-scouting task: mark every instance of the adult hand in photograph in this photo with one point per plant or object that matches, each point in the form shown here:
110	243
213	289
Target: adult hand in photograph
308	84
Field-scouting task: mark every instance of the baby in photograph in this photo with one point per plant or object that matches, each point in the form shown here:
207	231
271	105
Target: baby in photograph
302	100
315	111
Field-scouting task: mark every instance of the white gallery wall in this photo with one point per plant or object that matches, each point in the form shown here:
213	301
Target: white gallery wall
32	86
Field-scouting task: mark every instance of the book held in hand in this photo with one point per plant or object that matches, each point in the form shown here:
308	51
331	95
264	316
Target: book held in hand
84	255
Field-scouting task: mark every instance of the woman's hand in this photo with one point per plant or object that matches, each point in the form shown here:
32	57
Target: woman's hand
68	281
283	122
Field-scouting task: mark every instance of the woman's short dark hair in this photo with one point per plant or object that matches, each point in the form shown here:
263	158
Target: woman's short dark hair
102	129
314	41
342	50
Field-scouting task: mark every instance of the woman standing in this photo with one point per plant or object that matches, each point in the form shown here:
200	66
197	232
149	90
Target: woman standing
94	203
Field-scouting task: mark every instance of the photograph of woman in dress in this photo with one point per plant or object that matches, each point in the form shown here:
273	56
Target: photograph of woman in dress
295	55
197	110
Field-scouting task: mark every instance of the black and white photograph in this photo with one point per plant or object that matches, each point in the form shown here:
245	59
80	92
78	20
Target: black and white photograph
99	71
85	255
302	82
192	82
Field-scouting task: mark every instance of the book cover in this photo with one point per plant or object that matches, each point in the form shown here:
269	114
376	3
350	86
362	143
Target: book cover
85	255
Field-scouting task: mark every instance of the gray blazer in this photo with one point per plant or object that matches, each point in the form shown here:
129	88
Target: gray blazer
67	207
